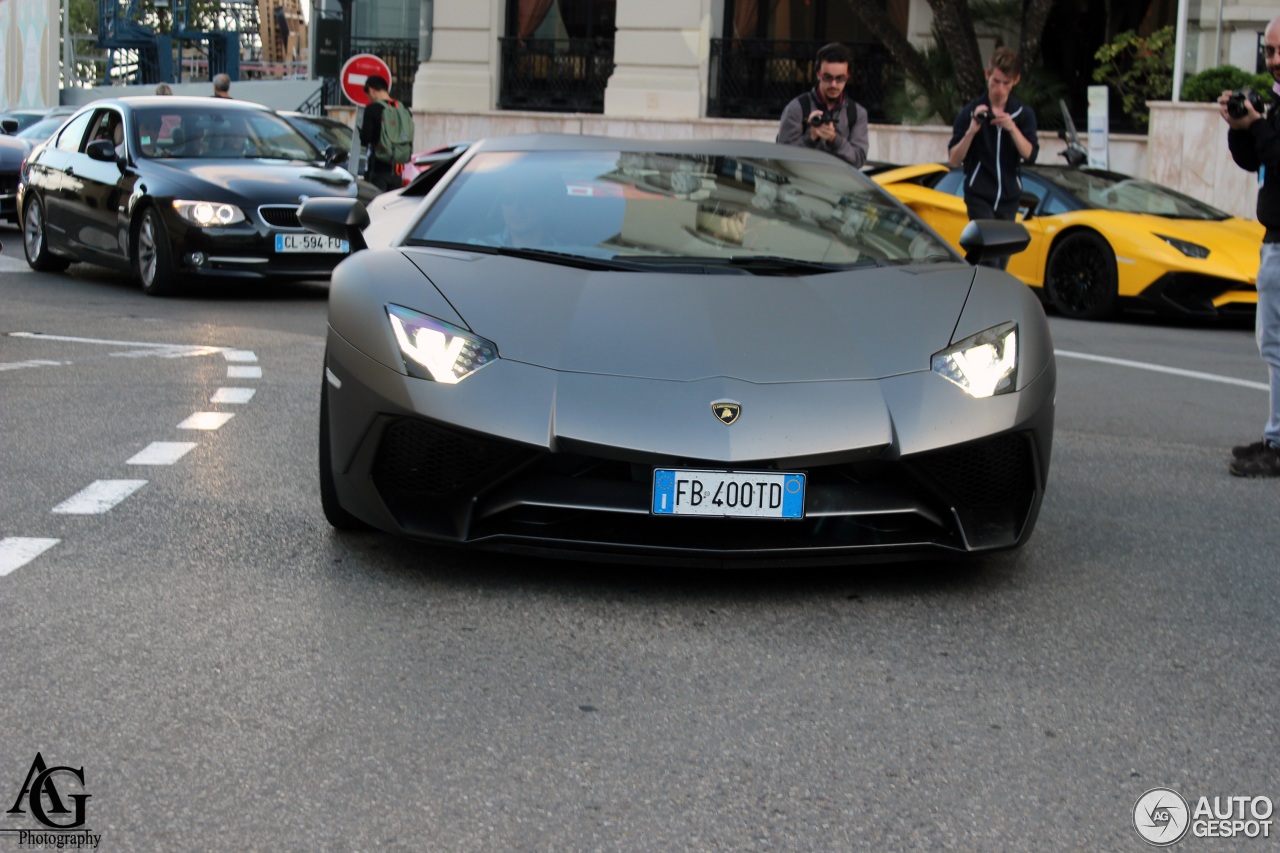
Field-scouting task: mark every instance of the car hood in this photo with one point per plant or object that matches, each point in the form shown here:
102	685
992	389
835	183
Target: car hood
262	181
836	326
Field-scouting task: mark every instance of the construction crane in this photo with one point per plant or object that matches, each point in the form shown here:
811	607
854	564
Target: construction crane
149	55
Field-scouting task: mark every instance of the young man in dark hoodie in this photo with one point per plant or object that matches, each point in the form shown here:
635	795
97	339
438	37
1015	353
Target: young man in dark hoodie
1254	140
993	136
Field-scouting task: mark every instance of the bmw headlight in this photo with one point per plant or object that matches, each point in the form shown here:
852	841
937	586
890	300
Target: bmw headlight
1191	250
984	364
208	214
436	350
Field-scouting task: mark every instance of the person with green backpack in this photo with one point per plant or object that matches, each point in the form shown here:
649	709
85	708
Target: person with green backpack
387	134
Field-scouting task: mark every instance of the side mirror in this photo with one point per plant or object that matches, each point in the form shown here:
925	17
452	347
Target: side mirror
9	125
102	150
992	239
1027	205
340	218
335	156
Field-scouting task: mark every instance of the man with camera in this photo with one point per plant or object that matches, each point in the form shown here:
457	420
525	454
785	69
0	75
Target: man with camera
1254	140
993	136
824	118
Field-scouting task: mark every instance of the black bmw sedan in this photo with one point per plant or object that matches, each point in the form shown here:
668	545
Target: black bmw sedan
176	189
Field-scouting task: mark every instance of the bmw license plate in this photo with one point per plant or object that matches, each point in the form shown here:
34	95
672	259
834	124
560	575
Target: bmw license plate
728	494
310	243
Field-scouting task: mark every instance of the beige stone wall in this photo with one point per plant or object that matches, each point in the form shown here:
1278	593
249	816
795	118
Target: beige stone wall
1187	150
29	56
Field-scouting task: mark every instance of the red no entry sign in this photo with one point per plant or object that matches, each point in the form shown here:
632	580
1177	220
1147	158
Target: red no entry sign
358	69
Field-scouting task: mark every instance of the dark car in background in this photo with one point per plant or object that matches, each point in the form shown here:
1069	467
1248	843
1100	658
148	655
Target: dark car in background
24	129
176	189
323	132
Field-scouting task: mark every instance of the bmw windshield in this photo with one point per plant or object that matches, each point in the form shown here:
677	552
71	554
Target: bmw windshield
187	133
640	210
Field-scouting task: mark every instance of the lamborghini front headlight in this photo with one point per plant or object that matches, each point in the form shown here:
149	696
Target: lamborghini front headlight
436	350
983	365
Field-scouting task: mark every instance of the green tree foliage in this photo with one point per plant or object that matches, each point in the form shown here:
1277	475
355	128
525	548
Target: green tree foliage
945	77
1206	86
1139	69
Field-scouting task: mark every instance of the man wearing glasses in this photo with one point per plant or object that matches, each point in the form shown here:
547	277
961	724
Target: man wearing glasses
823	117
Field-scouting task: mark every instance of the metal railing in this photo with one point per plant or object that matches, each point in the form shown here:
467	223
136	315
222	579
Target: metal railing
401	56
756	78
554	75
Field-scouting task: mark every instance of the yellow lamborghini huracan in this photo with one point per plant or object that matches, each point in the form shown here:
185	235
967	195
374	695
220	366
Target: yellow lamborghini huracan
1102	240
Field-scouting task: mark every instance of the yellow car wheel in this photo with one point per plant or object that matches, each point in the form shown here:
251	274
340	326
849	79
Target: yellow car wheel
1080	278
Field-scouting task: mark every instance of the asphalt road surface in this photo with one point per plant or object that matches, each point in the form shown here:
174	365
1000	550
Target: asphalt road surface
179	625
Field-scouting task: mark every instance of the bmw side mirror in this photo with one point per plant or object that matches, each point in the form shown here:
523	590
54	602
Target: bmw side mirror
992	239
334	156
10	125
340	218
103	151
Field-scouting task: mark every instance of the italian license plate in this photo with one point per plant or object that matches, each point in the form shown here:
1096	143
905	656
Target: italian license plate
310	243
728	494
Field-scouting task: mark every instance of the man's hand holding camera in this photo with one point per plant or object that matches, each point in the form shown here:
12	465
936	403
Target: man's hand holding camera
1240	109
822	126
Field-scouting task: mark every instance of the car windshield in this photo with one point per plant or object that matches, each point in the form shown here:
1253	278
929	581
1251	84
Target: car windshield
1113	191
643	209
192	133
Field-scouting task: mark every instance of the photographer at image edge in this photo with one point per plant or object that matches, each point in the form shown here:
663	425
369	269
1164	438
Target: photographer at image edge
1254	140
823	118
993	136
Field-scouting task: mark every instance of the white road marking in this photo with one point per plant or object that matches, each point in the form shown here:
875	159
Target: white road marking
234	372
206	420
239	355
99	497
35	362
162	453
17	551
1160	368
233	395
147	349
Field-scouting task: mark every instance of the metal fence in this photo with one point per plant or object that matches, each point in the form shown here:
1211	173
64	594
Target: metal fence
757	78
401	56
554	75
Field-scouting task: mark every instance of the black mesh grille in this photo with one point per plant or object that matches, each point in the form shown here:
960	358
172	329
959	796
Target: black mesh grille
985	473
418	459
280	215
991	485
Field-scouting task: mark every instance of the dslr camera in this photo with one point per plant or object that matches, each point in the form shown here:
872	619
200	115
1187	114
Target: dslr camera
983	117
824	117
1235	104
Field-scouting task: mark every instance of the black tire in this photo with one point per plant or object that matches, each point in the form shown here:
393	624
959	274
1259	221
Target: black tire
337	517
152	255
1080	278
35	239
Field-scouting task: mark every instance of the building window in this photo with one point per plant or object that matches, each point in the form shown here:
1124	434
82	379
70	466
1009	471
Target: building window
766	55
557	55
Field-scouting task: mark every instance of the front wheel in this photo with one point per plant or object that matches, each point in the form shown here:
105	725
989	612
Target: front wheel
153	256
35	240
1080	278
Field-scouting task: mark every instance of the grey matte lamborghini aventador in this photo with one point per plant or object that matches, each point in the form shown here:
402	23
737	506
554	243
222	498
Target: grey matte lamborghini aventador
720	352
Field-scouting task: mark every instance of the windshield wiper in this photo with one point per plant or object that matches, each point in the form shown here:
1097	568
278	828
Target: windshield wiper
548	256
781	264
